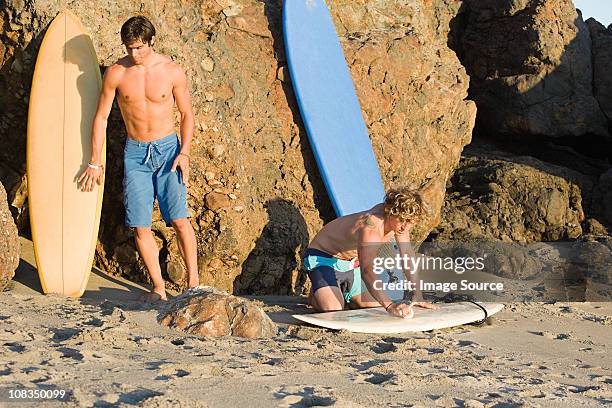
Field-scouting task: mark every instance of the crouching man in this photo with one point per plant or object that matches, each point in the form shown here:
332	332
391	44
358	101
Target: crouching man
340	258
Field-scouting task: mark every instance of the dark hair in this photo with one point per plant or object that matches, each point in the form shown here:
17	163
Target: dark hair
137	28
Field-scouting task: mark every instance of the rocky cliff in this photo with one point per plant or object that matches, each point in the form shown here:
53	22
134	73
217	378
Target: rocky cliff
531	68
256	195
539	168
539	165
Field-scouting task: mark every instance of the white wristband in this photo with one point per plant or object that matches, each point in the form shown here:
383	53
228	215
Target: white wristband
93	166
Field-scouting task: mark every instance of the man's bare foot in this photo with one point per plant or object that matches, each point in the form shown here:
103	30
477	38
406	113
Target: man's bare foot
193	282
153	296
191	289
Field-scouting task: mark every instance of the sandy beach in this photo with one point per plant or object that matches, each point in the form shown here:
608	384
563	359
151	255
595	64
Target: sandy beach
107	349
479	132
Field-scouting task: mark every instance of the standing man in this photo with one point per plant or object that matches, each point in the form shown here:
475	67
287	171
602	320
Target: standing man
340	258
147	85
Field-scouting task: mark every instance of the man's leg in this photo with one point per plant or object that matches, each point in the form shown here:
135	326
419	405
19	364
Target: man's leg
360	296
363	300
187	244
147	247
326	293
327	299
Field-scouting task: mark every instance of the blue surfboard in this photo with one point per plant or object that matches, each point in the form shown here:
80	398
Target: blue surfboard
329	107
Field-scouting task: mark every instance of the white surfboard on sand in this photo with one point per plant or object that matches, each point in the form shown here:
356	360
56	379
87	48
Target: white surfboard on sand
377	320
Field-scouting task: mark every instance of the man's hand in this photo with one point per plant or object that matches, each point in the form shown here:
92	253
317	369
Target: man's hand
400	310
426	305
182	161
90	177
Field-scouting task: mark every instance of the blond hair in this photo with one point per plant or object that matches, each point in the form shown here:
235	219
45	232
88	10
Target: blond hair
405	203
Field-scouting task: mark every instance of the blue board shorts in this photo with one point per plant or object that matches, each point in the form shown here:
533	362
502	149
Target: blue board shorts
147	176
325	270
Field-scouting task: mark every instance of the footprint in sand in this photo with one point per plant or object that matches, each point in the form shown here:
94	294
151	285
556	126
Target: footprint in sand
366	365
395	340
15	347
552	336
95	322
71	353
466	343
60	335
306	397
379	378
531	393
169	376
384	347
600	378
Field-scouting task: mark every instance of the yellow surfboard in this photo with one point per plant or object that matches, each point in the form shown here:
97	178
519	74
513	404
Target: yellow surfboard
63	100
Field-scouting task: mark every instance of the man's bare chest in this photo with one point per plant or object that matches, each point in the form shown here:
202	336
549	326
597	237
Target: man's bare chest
139	88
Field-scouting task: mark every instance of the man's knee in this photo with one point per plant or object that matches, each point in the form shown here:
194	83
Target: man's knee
328	306
327	300
142	232
181	224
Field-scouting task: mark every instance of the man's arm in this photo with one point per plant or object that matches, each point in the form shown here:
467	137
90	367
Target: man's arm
98	133
183	103
370	240
406	251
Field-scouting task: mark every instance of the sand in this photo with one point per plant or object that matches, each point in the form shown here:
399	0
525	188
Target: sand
108	350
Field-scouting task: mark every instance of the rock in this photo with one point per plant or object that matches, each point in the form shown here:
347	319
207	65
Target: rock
207	312
411	86
250	19
593	226
176	271
216	201
505	259
207	64
605	190
602	197
592	262
593	254
9	242
472	403
126	253
601	39
522	58
218	150
285	235
512	198
283	73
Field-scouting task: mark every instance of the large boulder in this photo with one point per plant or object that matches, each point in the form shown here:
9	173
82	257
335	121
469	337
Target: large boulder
601	46
530	68
602	198
513	198
9	243
209	312
254	176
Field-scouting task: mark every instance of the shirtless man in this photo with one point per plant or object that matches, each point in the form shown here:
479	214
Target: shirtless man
147	85
330	259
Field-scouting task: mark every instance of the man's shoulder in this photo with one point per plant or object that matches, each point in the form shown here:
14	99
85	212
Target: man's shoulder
168	64
114	73
118	67
367	224
374	216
